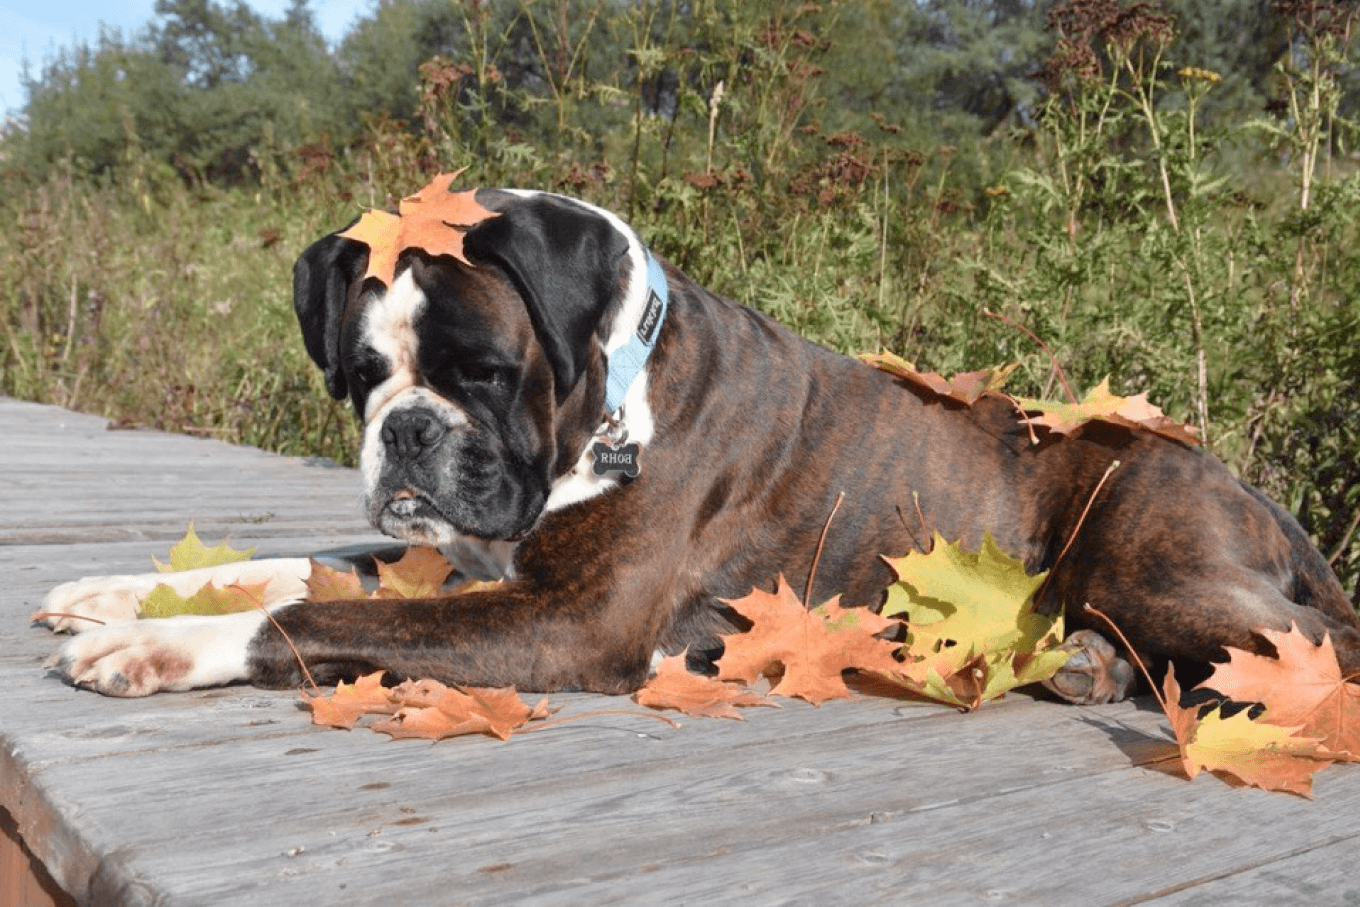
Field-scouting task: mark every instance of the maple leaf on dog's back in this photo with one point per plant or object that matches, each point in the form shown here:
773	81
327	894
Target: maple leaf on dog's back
965	387
812	646
675	687
972	633
1102	405
433	220
1302	687
190	553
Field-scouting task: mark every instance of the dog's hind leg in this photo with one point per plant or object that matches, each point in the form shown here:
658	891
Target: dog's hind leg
1095	673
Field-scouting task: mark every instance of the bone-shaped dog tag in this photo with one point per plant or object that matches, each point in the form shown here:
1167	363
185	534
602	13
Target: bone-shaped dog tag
621	459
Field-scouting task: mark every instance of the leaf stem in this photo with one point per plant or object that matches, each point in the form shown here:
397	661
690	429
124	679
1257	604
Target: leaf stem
1057	367
1081	520
1129	648
821	541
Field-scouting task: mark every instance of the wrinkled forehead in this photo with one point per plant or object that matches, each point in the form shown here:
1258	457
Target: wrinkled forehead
440	305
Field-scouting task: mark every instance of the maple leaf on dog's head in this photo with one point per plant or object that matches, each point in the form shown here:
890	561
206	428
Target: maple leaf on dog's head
189	553
1103	406
1302	687
812	647
434	220
965	387
675	687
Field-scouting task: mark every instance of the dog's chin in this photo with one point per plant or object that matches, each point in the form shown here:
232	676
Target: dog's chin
415	520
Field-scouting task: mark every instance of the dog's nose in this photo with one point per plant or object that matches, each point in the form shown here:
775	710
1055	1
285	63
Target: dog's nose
408	434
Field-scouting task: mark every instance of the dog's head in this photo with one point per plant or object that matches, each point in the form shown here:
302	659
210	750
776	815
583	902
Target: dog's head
481	382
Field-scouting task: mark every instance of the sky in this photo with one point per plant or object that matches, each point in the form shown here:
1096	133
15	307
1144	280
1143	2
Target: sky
34	30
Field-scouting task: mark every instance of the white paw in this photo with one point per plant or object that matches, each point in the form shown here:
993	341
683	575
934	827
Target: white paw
141	657
94	601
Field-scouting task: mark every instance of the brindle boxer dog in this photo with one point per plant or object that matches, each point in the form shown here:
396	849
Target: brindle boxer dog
486	388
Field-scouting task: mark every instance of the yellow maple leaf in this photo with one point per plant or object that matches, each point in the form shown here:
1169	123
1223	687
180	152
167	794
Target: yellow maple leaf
420	573
1302	686
1101	405
189	553
1252	750
163	601
972	633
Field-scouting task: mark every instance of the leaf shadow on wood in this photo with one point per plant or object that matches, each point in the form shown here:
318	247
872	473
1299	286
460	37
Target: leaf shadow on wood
1157	752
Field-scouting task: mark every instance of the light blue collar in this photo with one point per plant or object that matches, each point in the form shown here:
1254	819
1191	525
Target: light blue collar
628	361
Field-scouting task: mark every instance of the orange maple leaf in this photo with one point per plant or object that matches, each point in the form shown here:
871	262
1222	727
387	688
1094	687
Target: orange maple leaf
965	387
429	710
425	708
433	220
1254	751
1304	686
350	702
675	687
1103	406
325	584
813	646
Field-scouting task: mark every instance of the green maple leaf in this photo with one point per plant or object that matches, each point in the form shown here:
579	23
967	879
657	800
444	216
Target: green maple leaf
166	602
190	553
972	633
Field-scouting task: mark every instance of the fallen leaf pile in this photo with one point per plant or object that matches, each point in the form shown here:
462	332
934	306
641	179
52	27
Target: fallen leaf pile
425	709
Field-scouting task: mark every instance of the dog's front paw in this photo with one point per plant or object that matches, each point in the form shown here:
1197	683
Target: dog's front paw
93	601
1095	674
141	657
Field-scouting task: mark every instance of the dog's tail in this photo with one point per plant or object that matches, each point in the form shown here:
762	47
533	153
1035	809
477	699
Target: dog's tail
1315	583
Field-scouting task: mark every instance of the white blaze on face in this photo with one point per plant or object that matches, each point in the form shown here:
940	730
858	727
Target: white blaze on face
389	330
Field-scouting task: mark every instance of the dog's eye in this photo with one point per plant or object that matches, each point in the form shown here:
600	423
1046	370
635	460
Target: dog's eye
489	375
370	373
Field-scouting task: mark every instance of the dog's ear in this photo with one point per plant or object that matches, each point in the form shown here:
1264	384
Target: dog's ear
322	279
564	260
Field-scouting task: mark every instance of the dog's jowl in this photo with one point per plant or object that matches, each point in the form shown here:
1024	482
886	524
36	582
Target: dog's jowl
499	384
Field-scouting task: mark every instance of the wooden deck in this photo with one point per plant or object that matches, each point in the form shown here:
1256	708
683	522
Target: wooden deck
232	797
